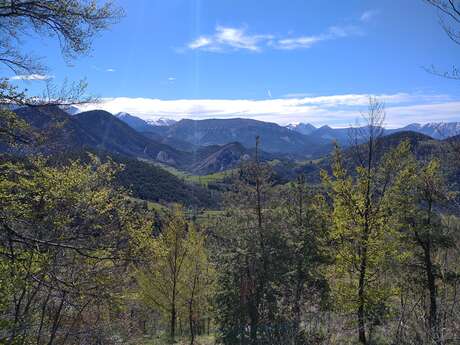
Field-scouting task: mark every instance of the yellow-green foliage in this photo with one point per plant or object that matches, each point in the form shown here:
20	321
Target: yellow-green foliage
176	278
364	231
163	278
65	232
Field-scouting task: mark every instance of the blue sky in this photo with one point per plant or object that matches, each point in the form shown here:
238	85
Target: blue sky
282	61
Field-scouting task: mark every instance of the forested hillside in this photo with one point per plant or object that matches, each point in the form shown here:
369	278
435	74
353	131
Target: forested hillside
115	230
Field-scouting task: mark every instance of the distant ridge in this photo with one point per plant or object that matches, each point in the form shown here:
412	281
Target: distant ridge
314	141
437	130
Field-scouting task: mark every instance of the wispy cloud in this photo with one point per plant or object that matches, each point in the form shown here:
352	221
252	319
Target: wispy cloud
230	39
171	78
332	33
334	110
297	42
99	69
367	16
30	77
225	38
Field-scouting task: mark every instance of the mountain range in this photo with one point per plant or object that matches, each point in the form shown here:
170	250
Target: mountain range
436	130
192	147
202	134
57	131
197	146
219	131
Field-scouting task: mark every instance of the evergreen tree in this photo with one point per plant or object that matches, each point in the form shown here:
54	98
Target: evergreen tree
304	228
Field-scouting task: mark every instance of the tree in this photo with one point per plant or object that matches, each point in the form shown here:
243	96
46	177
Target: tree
304	229
74	23
175	276
163	280
365	240
426	234
269	255
200	281
450	22
245	296
65	240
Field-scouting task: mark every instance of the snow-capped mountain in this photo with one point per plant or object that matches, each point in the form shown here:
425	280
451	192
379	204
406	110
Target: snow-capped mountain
143	125
437	130
133	121
161	122
303	128
71	109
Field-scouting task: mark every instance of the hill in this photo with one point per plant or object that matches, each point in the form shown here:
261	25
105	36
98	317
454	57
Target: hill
146	181
423	146
216	159
58	131
115	136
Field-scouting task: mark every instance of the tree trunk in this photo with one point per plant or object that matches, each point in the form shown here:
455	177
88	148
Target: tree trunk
253	318
297	303
254	325
361	316
173	321
431	282
191	325
56	321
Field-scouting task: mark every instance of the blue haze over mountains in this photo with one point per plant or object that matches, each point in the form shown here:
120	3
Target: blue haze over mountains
202	147
436	130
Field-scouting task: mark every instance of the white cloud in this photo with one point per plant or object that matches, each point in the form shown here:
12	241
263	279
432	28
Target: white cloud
110	70
445	112
298	95
29	77
368	15
297	42
335	110
332	33
171	78
226	38
200	42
